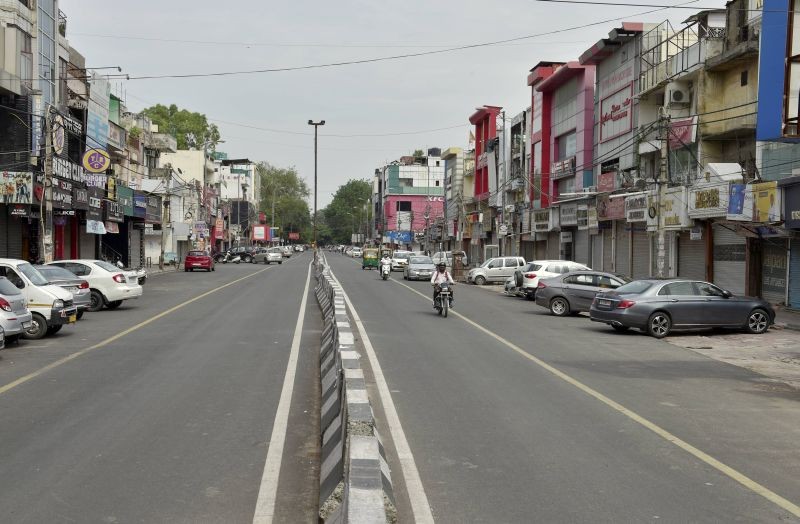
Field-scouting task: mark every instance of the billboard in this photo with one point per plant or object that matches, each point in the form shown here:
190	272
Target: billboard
260	233
778	112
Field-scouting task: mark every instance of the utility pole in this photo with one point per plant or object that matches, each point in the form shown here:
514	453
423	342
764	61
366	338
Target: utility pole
164	218
661	181
502	185
316	128
46	204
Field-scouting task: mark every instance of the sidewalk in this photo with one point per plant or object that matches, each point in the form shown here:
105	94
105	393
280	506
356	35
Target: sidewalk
787	318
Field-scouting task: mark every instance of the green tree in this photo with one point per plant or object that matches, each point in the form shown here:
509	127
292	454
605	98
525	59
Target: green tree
190	129
349	210
288	192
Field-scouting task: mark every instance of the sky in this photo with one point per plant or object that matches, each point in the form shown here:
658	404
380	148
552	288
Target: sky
412	95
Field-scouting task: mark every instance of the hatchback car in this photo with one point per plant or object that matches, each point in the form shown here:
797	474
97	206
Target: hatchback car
527	278
419	268
495	270
58	276
574	292
15	318
107	283
198	260
269	255
660	306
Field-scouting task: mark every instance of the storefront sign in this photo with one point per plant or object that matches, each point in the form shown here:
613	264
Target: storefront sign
708	200
592	218
568	215
767	205
674	212
111	188
616	113
97	112
117	136
111	227
94	180
65	169
260	233
96	161
566	237
95	211
219	226
610	208
583	217
636	208
740	202
16	187
682	132
153	209
95	227
19	210
80	197
58	135
125	199
139	204
113	211
791	202
607	182
543	220
62	193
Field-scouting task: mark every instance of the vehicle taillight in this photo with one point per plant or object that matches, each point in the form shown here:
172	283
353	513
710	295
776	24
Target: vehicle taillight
120	278
625	304
83	285
541	285
530	275
4	305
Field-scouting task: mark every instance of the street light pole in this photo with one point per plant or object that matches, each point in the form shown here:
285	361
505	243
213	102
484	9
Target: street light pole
316	128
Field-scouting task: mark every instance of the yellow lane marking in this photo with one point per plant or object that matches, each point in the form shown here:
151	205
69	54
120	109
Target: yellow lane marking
11	385
742	479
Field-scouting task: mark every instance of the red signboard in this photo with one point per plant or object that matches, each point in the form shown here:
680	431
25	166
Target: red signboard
262	217
682	132
294	236
607	182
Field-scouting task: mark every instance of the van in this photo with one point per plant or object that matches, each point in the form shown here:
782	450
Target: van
51	306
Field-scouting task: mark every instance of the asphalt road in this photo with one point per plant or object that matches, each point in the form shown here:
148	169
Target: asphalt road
499	437
170	421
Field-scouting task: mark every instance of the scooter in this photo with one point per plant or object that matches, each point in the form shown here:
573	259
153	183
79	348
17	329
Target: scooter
443	299
386	269
235	259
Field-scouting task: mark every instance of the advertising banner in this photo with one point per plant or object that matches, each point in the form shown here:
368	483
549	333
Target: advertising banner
62	193
294	236
260	233
95	227
682	132
740	202
674	212
139	204
125	199
113	211
708	200
16	187
153	210
80	197
610	208
401	237
97	114
636	208
95	212
568	214
767	205
583	217
607	182
616	113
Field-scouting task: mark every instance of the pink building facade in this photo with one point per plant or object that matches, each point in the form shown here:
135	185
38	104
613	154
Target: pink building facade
407	212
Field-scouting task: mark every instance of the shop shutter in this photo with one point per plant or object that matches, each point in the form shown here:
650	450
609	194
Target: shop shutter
553	246
667	244
641	254
691	257
581	254
623	258
608	252
528	250
541	250
794	275
773	271
13	241
597	250
135	240
729	259
3	233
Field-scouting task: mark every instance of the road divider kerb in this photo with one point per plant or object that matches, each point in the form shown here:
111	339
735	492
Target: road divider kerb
355	482
60	362
704	457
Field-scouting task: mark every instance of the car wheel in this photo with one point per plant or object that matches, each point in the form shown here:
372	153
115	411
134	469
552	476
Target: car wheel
659	324
518	279
280	262
38	327
95	301
114	305
480	280
559	307
757	322
79	315
247	260
52	330
620	329
213	269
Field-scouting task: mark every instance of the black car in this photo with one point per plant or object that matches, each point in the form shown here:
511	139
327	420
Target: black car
659	306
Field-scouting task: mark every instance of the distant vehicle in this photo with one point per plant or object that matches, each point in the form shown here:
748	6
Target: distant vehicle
58	276
660	306
269	255
495	270
15	318
574	292
400	260
287	251
419	268
356	253
108	284
527	278
198	260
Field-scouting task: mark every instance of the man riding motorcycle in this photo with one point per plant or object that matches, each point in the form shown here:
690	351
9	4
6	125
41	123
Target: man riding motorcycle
440	276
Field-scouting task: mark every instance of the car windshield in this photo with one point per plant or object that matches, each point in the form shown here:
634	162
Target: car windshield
7	288
635	287
485	264
102	264
55	272
421	260
33	274
402	256
533	267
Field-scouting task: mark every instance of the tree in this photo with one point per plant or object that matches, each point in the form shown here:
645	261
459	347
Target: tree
348	211
190	129
419	153
288	192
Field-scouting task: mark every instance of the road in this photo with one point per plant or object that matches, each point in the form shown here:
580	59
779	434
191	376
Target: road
168	422
516	416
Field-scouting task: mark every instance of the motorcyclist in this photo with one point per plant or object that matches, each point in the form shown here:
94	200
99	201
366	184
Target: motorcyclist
440	276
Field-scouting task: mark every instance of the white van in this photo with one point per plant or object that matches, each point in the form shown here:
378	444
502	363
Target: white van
51	306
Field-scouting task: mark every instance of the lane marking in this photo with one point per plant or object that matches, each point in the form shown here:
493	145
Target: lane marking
268	491
416	492
11	385
741	478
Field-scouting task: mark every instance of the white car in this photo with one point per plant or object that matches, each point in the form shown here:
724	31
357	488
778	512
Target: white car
109	284
527	277
400	260
357	253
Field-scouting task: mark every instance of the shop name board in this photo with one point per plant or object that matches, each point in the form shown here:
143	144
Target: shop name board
66	169
674	212
569	214
708	201
583	217
541	220
610	208
563	168
636	208
62	193
616	116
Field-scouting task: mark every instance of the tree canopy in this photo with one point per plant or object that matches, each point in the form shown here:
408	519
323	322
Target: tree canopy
289	192
347	213
190	129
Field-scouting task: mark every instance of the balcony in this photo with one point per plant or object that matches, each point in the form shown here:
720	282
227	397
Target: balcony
161	142
62	23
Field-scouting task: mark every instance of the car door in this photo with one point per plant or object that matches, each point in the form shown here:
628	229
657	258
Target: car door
721	311
510	264
580	291
683	303
494	270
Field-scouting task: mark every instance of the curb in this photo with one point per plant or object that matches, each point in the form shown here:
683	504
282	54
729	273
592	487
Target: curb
355	481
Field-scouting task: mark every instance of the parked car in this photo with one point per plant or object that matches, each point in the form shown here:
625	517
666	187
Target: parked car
574	292
496	269
51	306
108	285
15	318
245	252
198	260
269	255
58	276
400	260
527	278
419	268
660	306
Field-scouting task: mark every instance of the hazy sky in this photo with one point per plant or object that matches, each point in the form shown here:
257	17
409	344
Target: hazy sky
397	96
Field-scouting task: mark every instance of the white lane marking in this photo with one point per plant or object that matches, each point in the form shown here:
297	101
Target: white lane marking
723	468
268	491
416	492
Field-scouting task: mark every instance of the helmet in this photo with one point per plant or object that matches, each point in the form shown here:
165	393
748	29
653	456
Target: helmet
441	265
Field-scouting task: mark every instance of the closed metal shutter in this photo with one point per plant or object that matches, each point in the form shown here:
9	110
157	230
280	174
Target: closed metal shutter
541	250
729	263
794	275
135	241
581	254
641	254
623	256
773	271
553	246
3	232
597	250
667	245
528	251
87	243
608	251
691	257
13	232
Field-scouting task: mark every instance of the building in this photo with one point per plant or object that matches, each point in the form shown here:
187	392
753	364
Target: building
456	161
482	215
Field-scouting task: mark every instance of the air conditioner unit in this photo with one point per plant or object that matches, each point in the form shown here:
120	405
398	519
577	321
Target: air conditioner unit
678	95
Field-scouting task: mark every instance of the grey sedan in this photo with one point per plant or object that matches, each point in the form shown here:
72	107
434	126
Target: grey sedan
419	268
58	276
659	306
574	292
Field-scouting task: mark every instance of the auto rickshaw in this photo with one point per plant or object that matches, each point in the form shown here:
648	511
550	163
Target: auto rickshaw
370	258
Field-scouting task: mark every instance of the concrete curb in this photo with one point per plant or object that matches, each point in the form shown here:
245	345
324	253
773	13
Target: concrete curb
355	481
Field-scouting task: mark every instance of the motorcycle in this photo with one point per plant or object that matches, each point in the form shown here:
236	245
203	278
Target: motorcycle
229	257
386	269
443	299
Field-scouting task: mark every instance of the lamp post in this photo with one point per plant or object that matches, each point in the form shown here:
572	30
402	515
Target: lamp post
316	128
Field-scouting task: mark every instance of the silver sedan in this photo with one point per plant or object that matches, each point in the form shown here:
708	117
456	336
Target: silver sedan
419	268
574	292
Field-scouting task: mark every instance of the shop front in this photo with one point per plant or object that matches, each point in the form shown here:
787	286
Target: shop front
635	237
611	220
568	239
791	214
136	233
16	215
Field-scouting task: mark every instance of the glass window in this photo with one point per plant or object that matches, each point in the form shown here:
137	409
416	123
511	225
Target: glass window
421	260
567	145
678	289
78	269
102	264
55	273
635	287
7	288
580	280
607	282
511	262
12	276
709	290
533	267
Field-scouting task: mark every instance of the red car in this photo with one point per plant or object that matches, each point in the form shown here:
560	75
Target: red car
198	260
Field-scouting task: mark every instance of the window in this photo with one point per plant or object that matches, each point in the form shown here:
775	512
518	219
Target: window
608	282
559	269
12	276
7	288
580	280
567	145
79	269
437	183
635	287
511	262
403	205
709	290
678	289
743	79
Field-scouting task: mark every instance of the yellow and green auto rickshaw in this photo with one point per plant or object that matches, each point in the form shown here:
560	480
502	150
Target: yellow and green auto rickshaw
370	258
